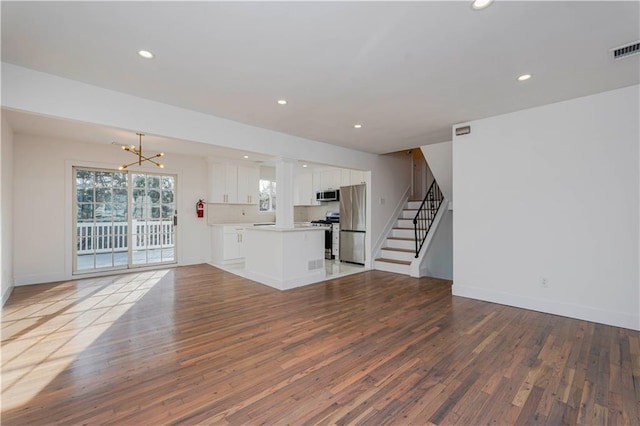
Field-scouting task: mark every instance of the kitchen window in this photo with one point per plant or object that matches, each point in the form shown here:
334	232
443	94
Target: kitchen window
267	196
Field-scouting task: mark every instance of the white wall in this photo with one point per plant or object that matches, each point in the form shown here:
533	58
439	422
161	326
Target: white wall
438	260
439	158
552	192
6	210
42	188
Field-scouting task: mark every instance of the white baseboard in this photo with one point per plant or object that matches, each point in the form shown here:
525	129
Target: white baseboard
6	295
617	319
21	280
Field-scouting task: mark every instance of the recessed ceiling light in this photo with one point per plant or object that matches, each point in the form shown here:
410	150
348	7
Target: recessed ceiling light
304	165
357	126
282	101
145	54
480	4
245	156
524	77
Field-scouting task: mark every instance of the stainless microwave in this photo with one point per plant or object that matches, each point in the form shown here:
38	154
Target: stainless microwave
330	195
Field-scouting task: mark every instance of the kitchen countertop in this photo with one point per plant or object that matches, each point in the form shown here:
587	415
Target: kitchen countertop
297	227
259	224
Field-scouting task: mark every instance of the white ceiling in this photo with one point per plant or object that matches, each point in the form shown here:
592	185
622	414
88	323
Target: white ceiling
407	71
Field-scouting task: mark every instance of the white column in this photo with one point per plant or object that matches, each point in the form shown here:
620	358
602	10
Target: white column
284	191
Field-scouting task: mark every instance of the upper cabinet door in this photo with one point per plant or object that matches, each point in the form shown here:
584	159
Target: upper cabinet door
217	184
231	173
331	179
248	185
357	177
303	194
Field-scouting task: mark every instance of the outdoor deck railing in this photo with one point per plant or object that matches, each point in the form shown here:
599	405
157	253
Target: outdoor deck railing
104	237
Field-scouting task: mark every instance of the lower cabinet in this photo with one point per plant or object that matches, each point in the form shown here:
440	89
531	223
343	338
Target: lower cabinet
228	245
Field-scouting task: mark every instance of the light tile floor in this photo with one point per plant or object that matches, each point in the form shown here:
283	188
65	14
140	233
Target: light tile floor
333	268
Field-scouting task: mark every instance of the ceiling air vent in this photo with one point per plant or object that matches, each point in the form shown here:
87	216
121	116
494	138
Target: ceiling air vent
626	50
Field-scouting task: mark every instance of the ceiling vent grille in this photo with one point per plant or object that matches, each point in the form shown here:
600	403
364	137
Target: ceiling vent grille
626	50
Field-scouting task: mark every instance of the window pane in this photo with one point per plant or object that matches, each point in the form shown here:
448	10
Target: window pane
267	200
86	261
138	203
120	258
84	178
120	195
167	254
154	256
153	181
155	212
167	182
103	195
103	212
104	179
120	180
167	197
167	211
154	195
119	212
139	181
84	195
84	211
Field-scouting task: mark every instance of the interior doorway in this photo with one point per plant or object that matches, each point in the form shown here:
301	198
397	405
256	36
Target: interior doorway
421	175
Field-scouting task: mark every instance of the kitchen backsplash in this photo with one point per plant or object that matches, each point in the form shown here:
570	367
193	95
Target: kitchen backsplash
320	212
236	213
245	213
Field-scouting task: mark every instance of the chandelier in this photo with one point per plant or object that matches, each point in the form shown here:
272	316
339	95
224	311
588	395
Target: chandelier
138	152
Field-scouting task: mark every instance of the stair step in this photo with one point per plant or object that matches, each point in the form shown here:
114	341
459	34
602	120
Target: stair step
399	249
399	262
400	238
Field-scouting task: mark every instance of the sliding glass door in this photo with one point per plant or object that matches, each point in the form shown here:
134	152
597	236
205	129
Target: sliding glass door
153	231
122	219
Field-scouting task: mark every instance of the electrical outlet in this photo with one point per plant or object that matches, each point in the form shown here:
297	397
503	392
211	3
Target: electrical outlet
544	282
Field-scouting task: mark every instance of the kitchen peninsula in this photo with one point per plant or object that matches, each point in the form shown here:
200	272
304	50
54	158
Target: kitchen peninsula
284	258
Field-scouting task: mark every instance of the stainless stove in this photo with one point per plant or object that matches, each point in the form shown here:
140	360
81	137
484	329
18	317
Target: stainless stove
332	224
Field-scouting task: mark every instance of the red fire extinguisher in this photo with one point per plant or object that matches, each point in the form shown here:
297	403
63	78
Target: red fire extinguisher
200	208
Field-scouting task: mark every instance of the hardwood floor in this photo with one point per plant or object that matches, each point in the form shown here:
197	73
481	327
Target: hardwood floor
199	345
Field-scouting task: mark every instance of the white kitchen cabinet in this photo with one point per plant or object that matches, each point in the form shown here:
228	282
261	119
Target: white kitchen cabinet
345	177
330	179
307	184
221	177
357	177
248	182
303	193
228	245
233	184
317	183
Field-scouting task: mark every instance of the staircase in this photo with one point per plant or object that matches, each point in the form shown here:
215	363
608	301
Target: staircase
405	241
399	249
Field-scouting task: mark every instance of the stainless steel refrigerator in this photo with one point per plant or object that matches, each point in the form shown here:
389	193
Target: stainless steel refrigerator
352	223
